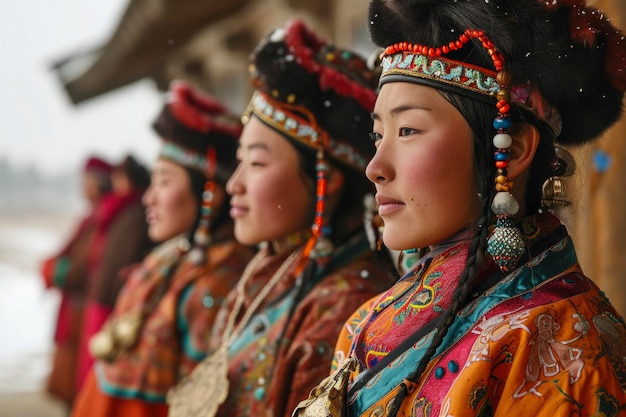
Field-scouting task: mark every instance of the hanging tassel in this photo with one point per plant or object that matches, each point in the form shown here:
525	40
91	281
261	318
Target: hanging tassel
323	247
202	234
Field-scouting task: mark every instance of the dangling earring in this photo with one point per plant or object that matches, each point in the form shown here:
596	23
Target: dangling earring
323	248
554	189
202	234
201	237
505	245
372	222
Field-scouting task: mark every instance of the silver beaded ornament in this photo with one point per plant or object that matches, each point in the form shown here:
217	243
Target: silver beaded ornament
505	245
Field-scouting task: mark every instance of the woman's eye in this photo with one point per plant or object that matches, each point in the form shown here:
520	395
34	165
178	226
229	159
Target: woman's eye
407	131
161	182
375	137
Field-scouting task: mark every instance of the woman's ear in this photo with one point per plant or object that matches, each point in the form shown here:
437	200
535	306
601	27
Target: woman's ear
523	150
219	197
335	180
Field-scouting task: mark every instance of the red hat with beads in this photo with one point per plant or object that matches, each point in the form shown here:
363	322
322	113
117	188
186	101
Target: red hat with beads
193	124
97	164
199	133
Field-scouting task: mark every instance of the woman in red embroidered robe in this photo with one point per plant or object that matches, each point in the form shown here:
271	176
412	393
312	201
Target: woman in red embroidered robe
159	329
68	271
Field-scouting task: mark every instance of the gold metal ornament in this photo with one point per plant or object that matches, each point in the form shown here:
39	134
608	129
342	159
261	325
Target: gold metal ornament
102	345
204	390
126	329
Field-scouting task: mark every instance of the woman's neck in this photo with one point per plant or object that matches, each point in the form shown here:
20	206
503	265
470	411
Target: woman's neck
460	236
290	241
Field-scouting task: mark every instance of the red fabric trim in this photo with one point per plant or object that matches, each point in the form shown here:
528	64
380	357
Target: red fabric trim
304	44
199	111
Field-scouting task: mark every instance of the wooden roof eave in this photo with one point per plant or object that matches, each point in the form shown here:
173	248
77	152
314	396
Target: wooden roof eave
149	32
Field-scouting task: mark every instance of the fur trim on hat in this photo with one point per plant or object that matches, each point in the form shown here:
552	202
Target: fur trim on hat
295	66
137	174
569	52
198	122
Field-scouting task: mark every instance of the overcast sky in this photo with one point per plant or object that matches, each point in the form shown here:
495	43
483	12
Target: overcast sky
39	125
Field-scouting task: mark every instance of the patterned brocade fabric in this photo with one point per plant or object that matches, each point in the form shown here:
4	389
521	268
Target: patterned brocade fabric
174	335
287	346
543	341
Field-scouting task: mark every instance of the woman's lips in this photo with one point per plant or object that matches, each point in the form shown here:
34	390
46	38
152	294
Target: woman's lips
388	205
237	211
151	218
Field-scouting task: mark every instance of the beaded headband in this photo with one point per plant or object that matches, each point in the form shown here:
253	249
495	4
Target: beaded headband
185	157
289	120
428	64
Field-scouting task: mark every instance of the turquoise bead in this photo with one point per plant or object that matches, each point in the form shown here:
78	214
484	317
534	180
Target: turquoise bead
502	123
439	372
259	393
453	367
501	156
208	301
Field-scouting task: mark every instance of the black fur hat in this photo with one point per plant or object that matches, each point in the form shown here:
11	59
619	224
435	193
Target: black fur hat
197	123
136	173
568	52
327	87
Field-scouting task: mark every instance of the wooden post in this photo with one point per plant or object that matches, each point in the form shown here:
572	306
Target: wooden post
599	224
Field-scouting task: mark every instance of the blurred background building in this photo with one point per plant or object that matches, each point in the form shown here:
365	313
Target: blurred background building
205	42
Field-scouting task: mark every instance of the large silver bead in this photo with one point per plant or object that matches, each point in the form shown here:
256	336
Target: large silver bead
101	345
504	203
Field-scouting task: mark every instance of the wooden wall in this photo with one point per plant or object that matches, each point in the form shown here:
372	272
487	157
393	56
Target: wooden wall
599	222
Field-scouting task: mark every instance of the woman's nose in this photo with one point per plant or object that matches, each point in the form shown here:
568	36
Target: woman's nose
233	185
146	199
378	170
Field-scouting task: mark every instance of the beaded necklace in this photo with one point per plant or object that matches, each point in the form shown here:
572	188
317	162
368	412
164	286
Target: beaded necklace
189	398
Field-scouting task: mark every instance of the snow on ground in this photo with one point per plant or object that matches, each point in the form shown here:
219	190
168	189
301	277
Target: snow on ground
27	310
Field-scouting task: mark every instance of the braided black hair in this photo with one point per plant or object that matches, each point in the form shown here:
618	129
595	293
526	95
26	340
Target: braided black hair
460	297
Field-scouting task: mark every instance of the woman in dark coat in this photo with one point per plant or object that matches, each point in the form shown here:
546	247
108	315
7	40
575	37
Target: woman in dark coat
121	239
